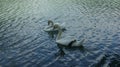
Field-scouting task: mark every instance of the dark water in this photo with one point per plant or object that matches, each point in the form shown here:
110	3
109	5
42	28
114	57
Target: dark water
23	43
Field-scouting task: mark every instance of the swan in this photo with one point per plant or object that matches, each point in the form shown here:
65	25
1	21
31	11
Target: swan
51	24
67	41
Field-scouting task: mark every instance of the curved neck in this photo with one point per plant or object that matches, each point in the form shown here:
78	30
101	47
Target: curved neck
59	33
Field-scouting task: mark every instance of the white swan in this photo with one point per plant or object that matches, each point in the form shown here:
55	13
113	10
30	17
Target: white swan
50	26
66	41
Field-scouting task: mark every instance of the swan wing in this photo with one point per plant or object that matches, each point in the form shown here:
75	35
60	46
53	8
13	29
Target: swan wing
63	25
78	43
75	44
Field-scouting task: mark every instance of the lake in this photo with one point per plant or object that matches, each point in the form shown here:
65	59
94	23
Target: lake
24	43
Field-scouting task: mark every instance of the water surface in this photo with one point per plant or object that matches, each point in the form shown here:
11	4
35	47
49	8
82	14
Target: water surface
23	43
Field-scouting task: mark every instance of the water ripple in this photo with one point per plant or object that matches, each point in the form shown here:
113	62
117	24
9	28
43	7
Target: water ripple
23	41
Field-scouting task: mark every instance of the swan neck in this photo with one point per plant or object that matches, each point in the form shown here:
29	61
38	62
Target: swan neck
59	34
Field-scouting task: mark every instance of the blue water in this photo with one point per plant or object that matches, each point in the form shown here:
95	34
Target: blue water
23	43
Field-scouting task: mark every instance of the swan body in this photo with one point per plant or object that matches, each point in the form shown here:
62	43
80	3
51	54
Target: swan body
65	41
76	43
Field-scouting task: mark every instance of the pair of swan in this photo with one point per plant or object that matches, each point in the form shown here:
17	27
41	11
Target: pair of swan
69	41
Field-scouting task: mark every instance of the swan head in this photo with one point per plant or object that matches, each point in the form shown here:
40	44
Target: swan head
50	22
